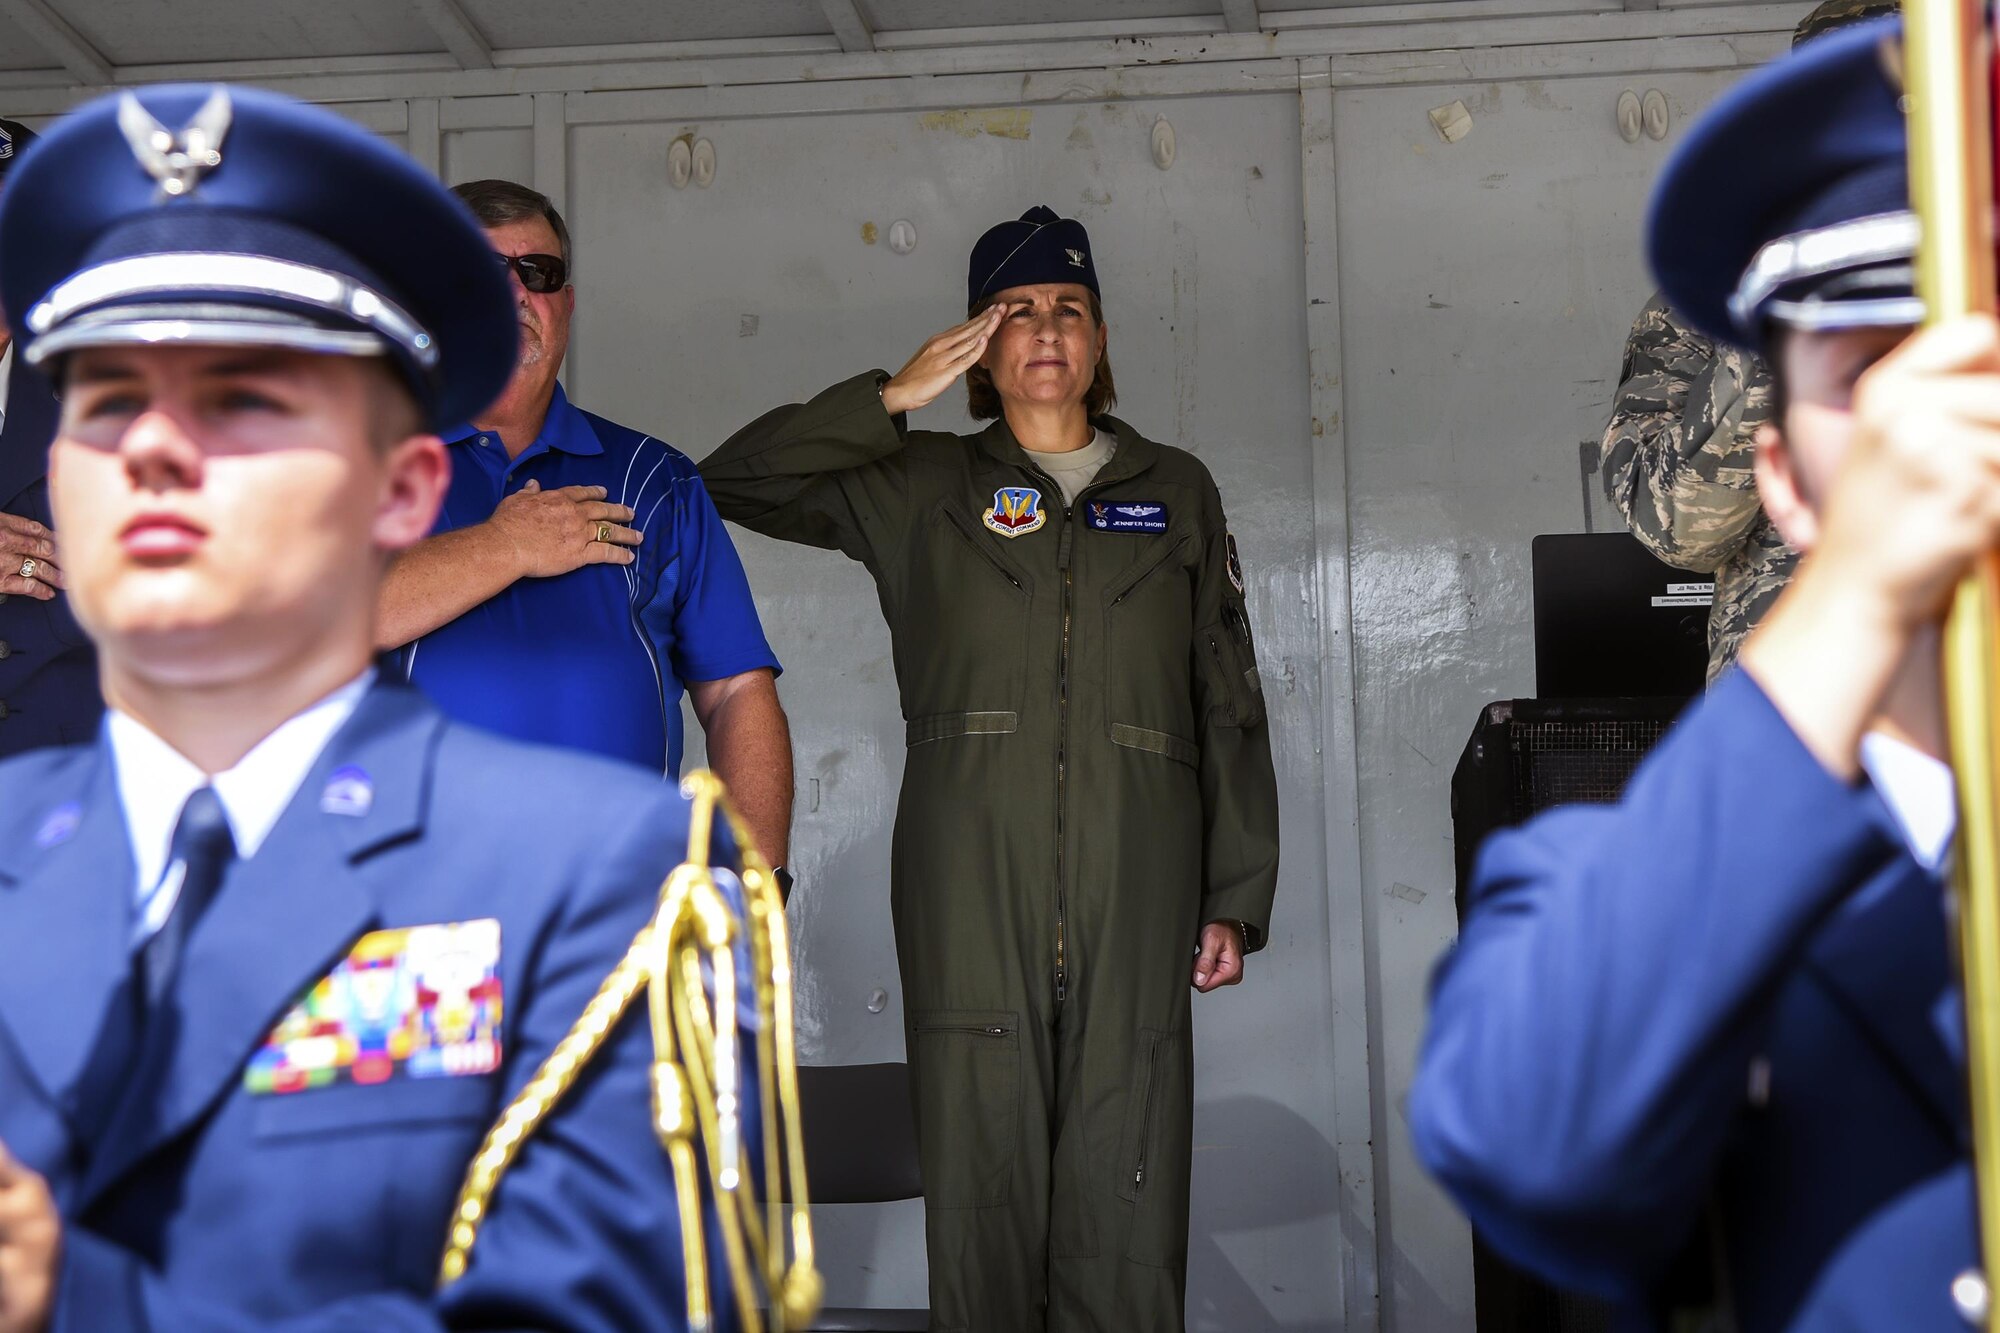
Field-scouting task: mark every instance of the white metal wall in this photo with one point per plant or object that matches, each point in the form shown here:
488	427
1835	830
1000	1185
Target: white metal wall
1478	292
700	308
1487	289
1388	348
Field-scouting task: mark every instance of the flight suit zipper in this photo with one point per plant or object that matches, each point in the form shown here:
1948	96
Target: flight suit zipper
1062	765
1160	562
1145	1133
1062	743
969	1029
1146	1130
1150	1085
960	526
1064	553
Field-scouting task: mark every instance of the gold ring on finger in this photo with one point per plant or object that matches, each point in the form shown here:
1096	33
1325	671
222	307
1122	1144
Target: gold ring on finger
604	532
28	568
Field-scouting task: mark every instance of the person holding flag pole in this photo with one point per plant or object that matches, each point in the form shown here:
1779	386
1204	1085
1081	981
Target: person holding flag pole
1718	1026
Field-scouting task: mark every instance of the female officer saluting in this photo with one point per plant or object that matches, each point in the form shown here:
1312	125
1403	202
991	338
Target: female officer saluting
1088	797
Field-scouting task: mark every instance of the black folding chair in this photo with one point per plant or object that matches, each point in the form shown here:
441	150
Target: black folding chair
861	1147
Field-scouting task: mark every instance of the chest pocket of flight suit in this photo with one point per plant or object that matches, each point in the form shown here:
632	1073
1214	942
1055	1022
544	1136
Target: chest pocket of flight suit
963	635
1229	663
1149	698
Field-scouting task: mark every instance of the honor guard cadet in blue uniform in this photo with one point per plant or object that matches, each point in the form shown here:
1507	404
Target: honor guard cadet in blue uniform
271	961
48	672
1729	996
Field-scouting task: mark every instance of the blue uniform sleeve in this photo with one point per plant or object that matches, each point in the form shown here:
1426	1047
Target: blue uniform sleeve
1591	1034
583	1236
1898	1270
701	615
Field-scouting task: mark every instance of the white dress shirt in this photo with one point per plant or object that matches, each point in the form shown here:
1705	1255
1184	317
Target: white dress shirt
155	781
1919	791
6	378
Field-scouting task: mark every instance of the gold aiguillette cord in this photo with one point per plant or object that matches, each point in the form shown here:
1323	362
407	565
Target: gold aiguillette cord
698	1084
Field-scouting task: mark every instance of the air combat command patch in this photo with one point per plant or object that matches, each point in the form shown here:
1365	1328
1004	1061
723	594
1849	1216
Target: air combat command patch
1016	512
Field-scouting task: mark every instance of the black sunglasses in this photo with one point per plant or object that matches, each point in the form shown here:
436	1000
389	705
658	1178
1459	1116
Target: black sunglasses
538	273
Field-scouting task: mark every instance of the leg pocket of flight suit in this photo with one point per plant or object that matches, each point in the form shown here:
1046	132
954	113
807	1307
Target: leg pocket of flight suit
968	1076
1154	1157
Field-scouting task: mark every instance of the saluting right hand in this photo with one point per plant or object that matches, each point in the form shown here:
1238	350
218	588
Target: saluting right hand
556	531
939	362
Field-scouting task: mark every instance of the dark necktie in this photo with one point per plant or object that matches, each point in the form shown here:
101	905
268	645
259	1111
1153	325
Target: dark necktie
204	848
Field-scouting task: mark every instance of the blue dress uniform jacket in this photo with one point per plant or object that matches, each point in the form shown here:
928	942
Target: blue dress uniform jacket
1724	990
1898	1271
48	669
215	1208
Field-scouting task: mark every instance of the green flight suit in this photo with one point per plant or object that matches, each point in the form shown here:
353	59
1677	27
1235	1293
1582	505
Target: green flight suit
1088	782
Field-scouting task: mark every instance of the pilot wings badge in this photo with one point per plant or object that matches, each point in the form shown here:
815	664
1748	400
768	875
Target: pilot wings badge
1128	516
177	159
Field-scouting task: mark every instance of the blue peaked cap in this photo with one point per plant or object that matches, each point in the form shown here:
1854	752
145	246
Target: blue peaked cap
1039	247
214	214
1788	200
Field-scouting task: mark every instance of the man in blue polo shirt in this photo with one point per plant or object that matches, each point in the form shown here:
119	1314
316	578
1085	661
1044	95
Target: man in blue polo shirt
579	577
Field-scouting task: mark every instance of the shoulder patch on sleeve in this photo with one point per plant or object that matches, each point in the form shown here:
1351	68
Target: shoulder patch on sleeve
1235	565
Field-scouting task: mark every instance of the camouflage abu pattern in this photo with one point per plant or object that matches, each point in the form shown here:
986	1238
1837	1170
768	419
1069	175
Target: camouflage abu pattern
1836	14
1678	461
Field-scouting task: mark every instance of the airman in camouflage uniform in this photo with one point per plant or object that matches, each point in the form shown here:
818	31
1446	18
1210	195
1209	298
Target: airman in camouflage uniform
1679	459
1679	454
1838	14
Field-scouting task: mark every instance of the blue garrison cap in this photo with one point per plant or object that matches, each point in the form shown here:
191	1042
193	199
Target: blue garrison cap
1789	199
1040	247
215	214
14	140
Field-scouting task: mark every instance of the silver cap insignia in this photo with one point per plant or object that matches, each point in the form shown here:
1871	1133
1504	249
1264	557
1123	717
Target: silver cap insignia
177	159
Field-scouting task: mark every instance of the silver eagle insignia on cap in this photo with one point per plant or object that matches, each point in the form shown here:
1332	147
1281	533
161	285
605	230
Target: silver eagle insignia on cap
177	159
6	145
